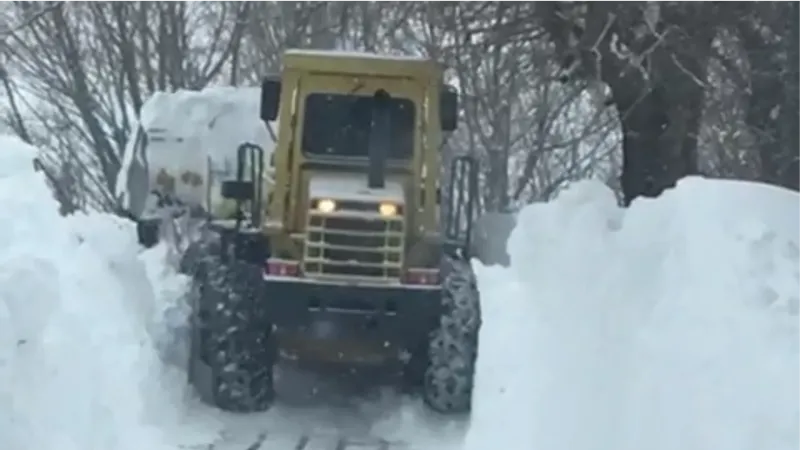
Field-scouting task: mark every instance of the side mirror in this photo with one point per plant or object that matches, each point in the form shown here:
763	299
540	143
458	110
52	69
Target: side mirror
448	108
270	98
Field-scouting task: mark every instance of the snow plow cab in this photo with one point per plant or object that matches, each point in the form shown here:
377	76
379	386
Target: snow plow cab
354	255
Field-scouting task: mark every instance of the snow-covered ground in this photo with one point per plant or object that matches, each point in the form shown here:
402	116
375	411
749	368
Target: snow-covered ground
78	369
672	325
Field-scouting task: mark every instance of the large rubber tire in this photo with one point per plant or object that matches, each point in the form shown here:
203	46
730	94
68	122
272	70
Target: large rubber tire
453	346
232	347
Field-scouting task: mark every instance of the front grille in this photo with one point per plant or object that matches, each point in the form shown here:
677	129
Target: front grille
351	243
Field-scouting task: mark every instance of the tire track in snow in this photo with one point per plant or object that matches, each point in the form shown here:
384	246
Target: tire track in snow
330	411
309	442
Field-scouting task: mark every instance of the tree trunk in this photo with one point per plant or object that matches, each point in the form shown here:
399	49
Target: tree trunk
643	123
654	61
660	104
790	123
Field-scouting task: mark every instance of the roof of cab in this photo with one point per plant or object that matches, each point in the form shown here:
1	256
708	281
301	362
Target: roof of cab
357	63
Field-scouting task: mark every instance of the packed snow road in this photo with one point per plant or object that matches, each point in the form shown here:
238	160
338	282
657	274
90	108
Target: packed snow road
669	325
329	411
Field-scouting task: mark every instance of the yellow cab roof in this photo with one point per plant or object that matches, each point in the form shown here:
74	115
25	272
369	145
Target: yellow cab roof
357	63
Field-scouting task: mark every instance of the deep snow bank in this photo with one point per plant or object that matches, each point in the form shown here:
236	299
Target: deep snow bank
670	325
78	369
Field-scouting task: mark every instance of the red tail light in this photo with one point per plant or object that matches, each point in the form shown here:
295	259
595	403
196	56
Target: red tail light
282	267
427	277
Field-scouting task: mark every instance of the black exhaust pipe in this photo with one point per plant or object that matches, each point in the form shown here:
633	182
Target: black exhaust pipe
380	138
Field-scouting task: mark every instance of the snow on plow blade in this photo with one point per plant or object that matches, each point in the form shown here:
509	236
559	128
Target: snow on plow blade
490	235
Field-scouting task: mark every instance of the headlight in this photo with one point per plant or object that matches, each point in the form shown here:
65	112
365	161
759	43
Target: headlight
326	206
387	209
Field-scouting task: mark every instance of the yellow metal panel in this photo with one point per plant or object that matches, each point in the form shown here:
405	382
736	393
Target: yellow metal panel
346	63
282	154
305	72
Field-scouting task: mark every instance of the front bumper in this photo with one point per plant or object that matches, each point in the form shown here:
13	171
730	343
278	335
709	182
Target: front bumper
396	313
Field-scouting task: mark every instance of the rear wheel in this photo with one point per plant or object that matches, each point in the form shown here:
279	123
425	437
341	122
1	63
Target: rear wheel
449	363
232	349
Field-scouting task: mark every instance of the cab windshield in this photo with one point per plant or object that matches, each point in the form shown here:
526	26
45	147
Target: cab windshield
338	125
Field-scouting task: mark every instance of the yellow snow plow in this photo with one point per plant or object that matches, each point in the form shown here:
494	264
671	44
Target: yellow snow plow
354	255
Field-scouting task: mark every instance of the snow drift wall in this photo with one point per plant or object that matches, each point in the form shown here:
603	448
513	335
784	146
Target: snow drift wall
670	325
78	368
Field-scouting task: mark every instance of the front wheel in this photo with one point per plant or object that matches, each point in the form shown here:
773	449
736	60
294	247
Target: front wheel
448	378
233	350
